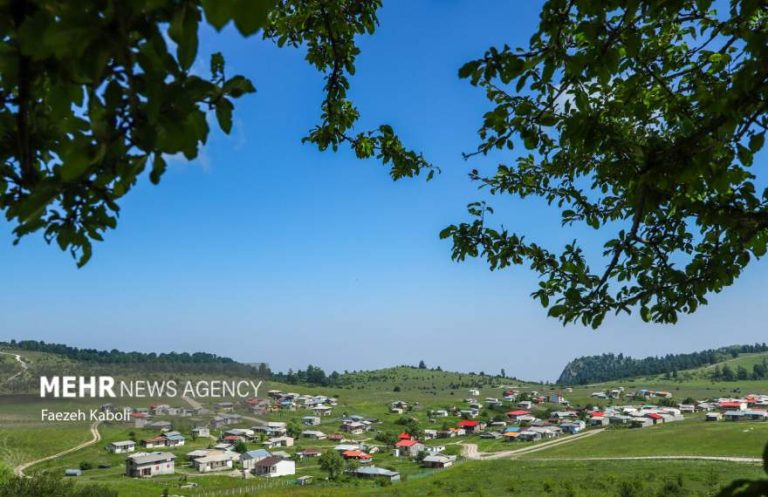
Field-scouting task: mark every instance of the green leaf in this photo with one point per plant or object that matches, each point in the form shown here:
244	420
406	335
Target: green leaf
238	85
224	115
251	15
756	142
74	160
183	31
218	12
158	168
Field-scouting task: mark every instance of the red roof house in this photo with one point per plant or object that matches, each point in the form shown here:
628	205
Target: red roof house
406	443
516	414
355	454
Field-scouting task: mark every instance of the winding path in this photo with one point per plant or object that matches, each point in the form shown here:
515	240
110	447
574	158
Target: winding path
19	470
22	363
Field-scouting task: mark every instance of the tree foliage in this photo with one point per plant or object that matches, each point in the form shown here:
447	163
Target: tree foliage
48	484
94	94
609	367
638	118
332	463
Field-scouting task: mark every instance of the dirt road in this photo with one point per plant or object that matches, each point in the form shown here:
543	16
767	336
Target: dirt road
747	460
470	450
22	363
19	470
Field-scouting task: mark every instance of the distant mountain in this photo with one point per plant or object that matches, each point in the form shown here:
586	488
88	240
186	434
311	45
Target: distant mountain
610	367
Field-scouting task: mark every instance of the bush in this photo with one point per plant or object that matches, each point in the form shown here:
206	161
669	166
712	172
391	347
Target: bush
85	466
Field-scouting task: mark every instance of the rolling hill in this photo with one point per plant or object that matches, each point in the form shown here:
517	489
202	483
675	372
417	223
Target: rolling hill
612	367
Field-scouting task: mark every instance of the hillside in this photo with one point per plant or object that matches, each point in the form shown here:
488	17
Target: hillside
611	367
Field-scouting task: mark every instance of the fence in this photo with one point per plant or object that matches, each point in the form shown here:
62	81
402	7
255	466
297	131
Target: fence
244	490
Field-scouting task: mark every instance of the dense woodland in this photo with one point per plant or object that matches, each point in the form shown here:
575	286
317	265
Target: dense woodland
199	361
607	367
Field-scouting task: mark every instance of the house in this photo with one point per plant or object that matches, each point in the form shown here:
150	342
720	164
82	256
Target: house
346	447
152	464
314	434
150	443
250	458
173	439
121	447
560	415
471	426
525	404
491	435
374	472
214	462
733	405
310	420
322	410
275	442
242	433
272	467
434	449
357	455
690	408
656	418
573	427
353	427
196	454
598	421
642	422
201	431
473	392
548	431
411	448
224	406
159	425
734	415
756	415
309	453
513	415
529	436
73	472
438	461
557	398
713	416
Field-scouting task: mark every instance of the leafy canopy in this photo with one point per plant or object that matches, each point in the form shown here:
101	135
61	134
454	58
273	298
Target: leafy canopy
640	119
95	93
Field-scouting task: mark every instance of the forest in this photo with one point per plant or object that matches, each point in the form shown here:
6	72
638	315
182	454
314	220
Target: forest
607	367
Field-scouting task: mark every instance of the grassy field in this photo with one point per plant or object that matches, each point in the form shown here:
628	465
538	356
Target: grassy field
693	437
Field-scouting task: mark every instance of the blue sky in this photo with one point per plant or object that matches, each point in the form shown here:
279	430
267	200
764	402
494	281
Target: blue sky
265	249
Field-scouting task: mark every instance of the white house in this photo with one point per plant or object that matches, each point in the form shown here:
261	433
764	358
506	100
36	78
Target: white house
121	447
314	434
147	465
439	461
201	431
215	462
310	420
274	466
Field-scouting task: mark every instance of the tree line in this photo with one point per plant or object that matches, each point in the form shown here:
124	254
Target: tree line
201	361
607	367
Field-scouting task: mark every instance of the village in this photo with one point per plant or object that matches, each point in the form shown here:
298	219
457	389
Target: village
241	441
